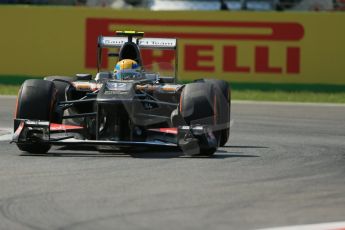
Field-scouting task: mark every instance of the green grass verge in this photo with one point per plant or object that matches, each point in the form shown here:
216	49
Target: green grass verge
9	89
15	79
258	95
251	94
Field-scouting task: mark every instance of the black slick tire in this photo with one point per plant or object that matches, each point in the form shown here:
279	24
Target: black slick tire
197	107
35	101
224	108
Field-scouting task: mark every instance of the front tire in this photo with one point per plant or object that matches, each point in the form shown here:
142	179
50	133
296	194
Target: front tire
198	107
224	107
224	111
36	99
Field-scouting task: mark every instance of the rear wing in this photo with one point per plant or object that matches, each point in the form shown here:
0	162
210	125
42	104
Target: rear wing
138	39
148	43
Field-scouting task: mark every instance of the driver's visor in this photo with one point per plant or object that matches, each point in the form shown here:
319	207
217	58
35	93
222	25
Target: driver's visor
127	74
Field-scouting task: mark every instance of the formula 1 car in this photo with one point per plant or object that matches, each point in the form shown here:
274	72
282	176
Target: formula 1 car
109	113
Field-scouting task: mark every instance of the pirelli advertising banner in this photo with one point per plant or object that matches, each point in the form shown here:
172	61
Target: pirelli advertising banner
274	47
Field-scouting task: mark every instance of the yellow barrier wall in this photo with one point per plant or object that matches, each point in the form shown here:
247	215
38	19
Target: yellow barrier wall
235	46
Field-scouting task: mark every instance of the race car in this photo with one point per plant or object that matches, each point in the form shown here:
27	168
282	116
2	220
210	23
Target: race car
129	107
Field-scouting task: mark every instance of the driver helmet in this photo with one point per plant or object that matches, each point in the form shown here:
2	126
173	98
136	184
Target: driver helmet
127	69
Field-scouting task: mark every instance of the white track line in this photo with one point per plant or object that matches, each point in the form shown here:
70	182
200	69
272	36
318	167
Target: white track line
6	134
322	226
8	96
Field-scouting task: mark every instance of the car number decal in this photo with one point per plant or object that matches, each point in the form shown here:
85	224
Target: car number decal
117	86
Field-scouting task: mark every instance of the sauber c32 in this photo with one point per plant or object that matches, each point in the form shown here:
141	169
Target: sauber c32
109	113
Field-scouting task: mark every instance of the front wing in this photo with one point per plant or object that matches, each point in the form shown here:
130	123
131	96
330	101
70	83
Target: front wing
190	139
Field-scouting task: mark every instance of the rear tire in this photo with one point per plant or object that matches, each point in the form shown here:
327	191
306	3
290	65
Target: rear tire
36	99
197	108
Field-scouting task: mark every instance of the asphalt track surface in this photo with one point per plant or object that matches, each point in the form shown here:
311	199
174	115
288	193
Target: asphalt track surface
284	165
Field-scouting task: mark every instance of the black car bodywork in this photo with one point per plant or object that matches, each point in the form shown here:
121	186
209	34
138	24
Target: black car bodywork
108	113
